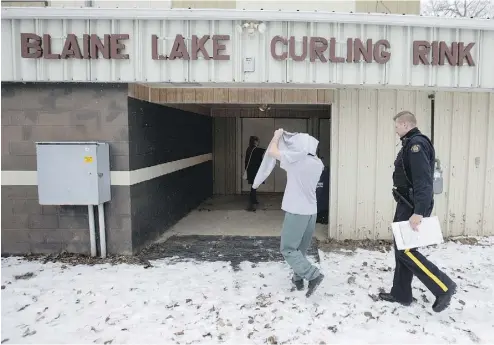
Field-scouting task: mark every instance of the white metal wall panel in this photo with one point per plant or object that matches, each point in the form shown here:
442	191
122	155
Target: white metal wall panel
363	149
398	72
464	141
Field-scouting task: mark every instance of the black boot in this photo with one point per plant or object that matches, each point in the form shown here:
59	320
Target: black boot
313	284
388	297
251	207
442	301
299	284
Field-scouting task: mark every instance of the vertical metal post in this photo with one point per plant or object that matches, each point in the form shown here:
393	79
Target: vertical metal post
92	229
102	230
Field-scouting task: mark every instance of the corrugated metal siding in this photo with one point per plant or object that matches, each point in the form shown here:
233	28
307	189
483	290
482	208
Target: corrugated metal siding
363	149
224	155
399	71
464	141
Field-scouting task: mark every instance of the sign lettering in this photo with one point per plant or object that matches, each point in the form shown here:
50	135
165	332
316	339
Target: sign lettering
207	47
316	47
33	47
455	54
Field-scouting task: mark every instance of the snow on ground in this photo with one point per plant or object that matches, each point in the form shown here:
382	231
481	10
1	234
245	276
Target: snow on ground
209	303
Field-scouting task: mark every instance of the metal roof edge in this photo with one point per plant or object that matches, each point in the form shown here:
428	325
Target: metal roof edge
236	14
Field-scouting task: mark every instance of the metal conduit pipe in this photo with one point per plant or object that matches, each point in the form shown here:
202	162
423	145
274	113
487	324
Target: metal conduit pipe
92	229
102	230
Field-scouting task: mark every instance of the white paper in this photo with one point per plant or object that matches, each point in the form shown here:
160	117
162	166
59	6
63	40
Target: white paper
429	233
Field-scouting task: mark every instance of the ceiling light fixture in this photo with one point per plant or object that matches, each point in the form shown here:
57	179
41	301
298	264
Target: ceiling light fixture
264	107
251	27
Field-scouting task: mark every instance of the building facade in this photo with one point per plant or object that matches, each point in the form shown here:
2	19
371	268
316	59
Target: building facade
176	93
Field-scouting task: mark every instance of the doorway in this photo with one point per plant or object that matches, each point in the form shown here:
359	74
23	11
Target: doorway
324	137
264	129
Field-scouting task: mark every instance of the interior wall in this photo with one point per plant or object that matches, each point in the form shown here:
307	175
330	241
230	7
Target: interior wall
224	155
228	150
167	149
264	128
227	143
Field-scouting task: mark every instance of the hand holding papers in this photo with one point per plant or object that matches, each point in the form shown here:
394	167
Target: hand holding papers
429	233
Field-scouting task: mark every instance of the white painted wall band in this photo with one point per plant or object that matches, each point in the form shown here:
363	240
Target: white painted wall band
118	178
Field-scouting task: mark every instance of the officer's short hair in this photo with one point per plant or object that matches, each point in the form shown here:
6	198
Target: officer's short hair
406	116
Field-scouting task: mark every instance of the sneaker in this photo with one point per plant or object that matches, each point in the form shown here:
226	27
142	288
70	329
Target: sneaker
388	297
443	301
313	284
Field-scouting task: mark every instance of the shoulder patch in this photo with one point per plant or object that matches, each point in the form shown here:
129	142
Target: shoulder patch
415	148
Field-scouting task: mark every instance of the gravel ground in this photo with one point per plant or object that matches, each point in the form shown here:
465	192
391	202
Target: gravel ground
234	249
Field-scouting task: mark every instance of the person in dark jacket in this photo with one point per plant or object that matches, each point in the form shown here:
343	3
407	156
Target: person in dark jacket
253	159
413	192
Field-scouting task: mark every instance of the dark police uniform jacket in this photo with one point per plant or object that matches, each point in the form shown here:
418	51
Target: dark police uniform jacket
414	170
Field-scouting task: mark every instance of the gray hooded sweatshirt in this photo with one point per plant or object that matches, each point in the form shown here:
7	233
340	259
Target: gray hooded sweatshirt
303	168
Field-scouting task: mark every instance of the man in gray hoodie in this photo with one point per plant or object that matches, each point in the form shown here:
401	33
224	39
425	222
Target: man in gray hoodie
297	155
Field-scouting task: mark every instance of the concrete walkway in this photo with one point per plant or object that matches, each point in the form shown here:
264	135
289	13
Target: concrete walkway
227	215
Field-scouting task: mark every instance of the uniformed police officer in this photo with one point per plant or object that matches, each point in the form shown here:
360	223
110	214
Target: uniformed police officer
412	180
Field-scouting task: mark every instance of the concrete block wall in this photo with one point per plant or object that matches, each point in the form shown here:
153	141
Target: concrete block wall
166	152
59	112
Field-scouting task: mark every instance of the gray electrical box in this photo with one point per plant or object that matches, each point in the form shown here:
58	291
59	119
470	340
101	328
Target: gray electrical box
73	173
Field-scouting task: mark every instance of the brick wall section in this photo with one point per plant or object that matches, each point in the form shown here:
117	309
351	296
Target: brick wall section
59	112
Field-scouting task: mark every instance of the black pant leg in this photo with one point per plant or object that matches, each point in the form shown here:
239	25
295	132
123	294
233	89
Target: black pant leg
429	274
403	276
253	196
413	262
